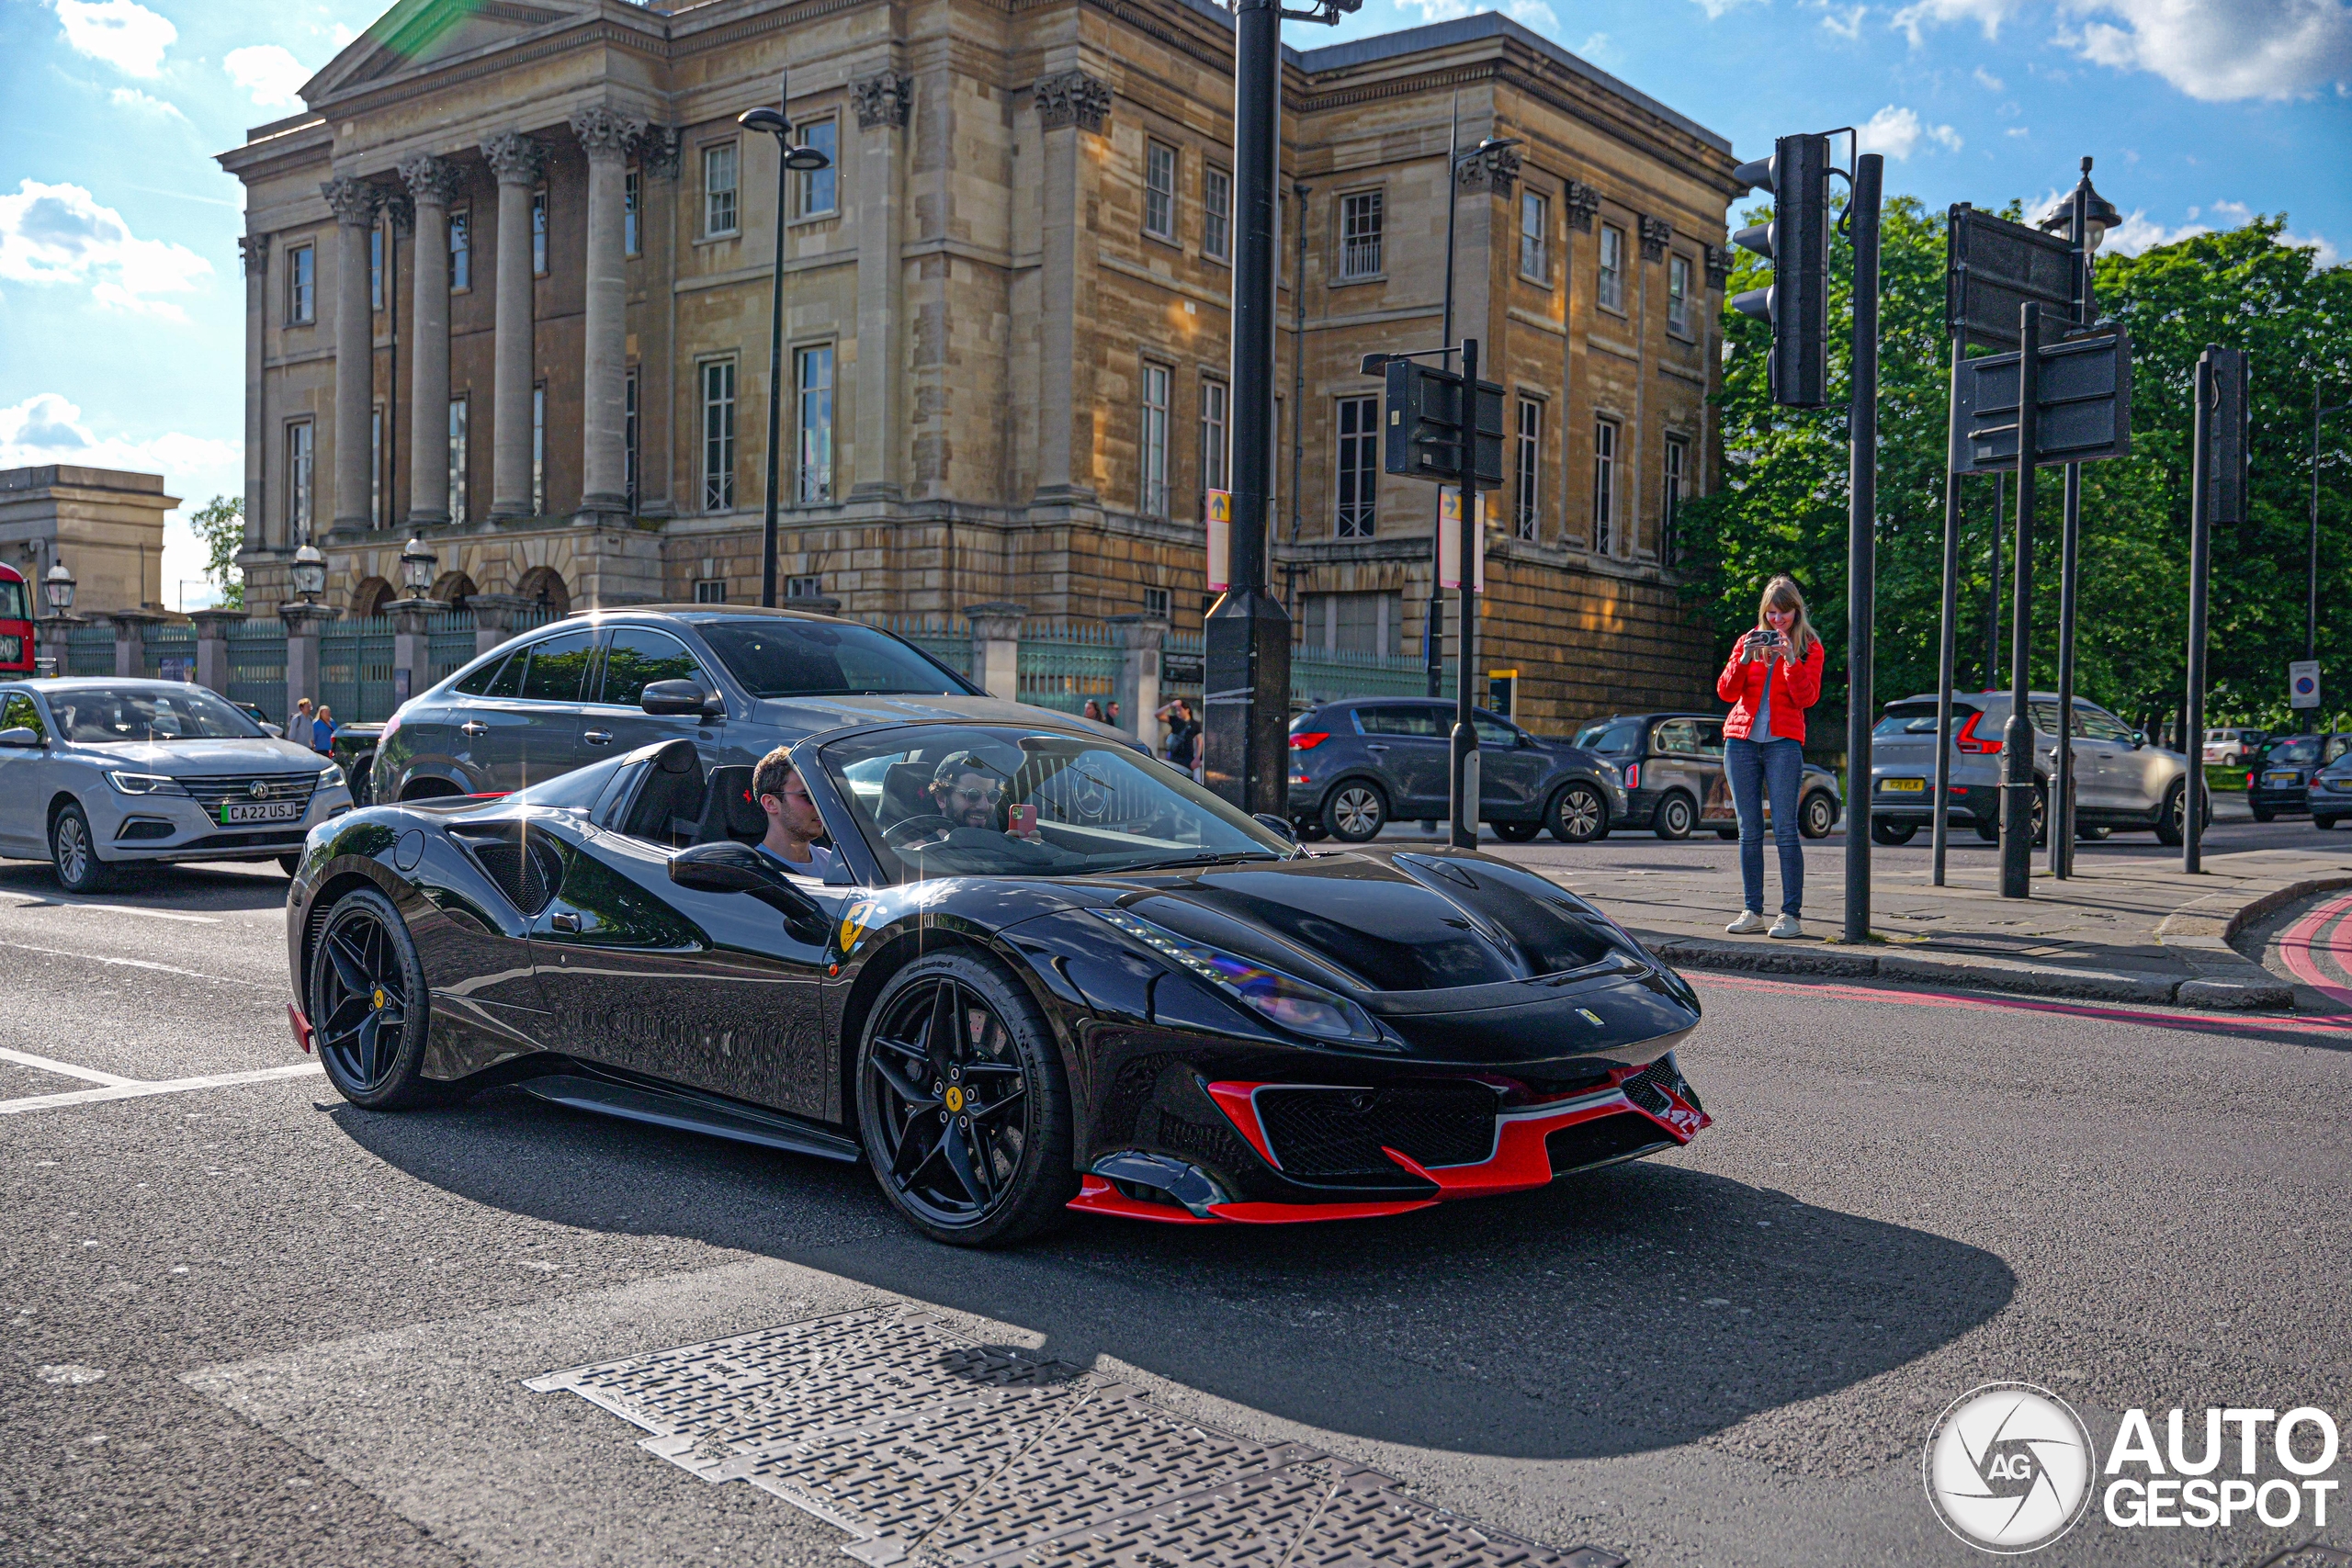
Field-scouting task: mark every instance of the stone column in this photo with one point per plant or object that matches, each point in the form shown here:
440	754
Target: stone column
996	648
212	646
883	103
494	618
606	137
130	641
516	161
354	203
432	182
1140	639
254	251
303	622
411	646
1067	103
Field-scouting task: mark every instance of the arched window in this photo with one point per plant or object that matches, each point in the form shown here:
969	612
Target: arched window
543	585
370	597
454	589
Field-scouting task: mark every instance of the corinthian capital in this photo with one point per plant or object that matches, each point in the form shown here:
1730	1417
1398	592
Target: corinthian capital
1656	234
606	133
352	201
1497	169
254	251
1073	98
433	181
514	158
883	100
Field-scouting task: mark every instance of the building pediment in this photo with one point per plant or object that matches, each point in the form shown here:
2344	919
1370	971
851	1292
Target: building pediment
417	37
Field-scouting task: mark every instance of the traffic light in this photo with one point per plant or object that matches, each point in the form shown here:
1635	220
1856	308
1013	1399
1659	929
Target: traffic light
1796	242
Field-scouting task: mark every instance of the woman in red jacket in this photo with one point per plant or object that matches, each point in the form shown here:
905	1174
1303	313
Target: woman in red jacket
1773	676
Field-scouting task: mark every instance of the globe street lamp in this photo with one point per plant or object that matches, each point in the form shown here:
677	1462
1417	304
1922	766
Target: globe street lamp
790	160
417	565
310	573
59	589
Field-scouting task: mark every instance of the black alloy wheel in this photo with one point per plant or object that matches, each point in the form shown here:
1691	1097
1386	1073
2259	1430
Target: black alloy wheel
1676	814
1883	832
1516	832
73	853
1355	812
962	1105
1817	816
368	1006
1578	815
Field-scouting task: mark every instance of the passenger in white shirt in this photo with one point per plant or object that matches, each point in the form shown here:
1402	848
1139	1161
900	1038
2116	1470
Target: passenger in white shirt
793	822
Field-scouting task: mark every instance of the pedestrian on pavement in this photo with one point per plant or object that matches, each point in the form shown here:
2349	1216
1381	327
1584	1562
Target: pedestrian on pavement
298	728
322	730
1177	715
794	826
1773	675
1094	710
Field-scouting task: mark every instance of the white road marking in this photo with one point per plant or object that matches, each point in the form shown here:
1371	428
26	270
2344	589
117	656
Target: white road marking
67	1069
118	909
136	964
166	1085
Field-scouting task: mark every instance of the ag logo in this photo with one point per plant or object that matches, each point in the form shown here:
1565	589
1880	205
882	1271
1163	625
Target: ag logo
2008	1468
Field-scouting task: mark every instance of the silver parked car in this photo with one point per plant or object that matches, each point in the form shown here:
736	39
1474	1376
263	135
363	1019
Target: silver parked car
2120	780
96	773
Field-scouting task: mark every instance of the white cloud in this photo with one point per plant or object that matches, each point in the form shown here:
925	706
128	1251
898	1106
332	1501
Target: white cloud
1921	15
1533	14
2139	233
1849	25
145	103
2236	213
269	73
124	33
1897	131
60	234
1715	9
2329	255
2017	131
2218	51
1989	82
1599	49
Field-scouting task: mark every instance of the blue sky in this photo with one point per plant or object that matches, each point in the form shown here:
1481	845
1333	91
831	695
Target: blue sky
121	309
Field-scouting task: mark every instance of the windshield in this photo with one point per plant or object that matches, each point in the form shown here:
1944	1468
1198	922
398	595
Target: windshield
575	791
2303	748
98	714
1625	737
988	800
822	658
11	602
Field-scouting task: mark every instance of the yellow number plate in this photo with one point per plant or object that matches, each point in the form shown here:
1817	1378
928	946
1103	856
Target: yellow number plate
1903	786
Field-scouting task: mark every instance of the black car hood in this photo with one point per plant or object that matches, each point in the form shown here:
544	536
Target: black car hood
1399	924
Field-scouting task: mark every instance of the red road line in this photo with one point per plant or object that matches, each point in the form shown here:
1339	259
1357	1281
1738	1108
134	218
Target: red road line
2339	1024
2295	948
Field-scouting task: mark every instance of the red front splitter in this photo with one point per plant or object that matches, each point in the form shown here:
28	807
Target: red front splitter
300	1025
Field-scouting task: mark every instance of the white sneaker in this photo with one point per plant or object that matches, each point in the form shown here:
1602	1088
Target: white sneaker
1749	923
1787	926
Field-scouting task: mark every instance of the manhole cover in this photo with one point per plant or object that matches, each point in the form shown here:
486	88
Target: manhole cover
931	1448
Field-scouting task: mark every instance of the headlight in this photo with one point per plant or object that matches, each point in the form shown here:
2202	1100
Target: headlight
330	775
144	784
1278	998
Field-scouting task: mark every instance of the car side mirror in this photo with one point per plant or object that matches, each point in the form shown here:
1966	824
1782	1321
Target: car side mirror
2139	739
739	868
1278	826
21	737
678	698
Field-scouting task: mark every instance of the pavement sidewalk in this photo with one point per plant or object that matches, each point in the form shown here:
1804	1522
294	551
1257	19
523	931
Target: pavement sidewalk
2131	930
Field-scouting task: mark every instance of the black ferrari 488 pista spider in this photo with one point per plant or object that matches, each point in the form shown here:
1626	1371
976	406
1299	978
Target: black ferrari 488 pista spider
1041	972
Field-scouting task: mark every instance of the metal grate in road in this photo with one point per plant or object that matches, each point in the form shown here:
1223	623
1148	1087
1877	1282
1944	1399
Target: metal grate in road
932	1449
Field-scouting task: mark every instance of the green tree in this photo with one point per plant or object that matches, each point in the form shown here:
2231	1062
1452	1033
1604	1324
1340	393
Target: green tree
1783	504
220	525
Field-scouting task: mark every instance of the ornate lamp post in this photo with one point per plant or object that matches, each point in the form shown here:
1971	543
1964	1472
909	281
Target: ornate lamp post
309	572
58	587
790	160
417	567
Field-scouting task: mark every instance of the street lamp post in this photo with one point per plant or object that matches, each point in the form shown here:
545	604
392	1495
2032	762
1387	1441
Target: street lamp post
58	587
417	565
2311	590
790	160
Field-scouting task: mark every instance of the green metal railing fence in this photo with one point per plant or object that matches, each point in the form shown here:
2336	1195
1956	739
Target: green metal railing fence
257	665
947	639
170	652
89	651
1064	664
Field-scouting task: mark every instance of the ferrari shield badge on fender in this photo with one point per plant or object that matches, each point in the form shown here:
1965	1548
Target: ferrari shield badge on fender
855	920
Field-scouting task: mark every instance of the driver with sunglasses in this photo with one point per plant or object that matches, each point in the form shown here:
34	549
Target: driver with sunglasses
968	789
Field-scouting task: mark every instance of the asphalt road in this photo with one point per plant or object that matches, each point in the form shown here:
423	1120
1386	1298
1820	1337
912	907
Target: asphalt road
248	1323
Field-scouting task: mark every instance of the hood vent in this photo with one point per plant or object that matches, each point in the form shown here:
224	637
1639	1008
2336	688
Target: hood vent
527	867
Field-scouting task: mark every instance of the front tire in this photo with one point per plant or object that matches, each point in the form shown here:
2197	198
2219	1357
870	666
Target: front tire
1578	815
2172	822
369	1008
962	1106
73	853
1676	816
1355	812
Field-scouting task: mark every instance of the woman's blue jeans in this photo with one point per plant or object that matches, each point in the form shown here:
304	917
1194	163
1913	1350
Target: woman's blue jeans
1753	768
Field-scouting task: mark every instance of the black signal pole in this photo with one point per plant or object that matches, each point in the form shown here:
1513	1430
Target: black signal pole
2017	735
1861	541
1463	832
1993	585
2201	561
1948	634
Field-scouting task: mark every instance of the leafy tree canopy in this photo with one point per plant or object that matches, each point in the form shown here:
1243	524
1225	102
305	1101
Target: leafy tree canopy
220	525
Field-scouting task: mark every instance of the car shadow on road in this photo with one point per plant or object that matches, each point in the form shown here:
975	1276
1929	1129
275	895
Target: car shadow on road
208	889
1622	1311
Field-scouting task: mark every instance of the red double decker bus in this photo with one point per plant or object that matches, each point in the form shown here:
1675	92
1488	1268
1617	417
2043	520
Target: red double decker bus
16	622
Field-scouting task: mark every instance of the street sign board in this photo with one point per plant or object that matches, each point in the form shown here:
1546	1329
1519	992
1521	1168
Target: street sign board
1992	266
2303	684
1449	540
1220	525
2228	467
2085	402
1425	424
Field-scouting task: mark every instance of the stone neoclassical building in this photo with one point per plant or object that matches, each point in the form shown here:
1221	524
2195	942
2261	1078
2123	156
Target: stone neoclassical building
507	286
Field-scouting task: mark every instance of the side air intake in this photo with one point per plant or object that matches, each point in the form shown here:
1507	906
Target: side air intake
526	868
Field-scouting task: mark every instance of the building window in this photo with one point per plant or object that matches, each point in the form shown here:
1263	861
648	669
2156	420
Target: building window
1155	604
1351	623
1152	498
1525	504
628	437
1214	400
457	460
1360	234
1534	226
816	191
1678	458
540	232
539	450
1217	214
718	435
376	267
302	286
461	252
718	190
1677	295
1159	190
376	466
1612	267
300	453
810	587
632	200
1358	475
1604	485
813	375
710	590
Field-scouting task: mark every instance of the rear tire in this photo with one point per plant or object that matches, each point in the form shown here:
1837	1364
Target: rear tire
1676	817
1355	812
1893	833
73	853
2264	814
368	1007
2324	824
2172	821
1728	835
1817	816
1578	815
1516	832
290	864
